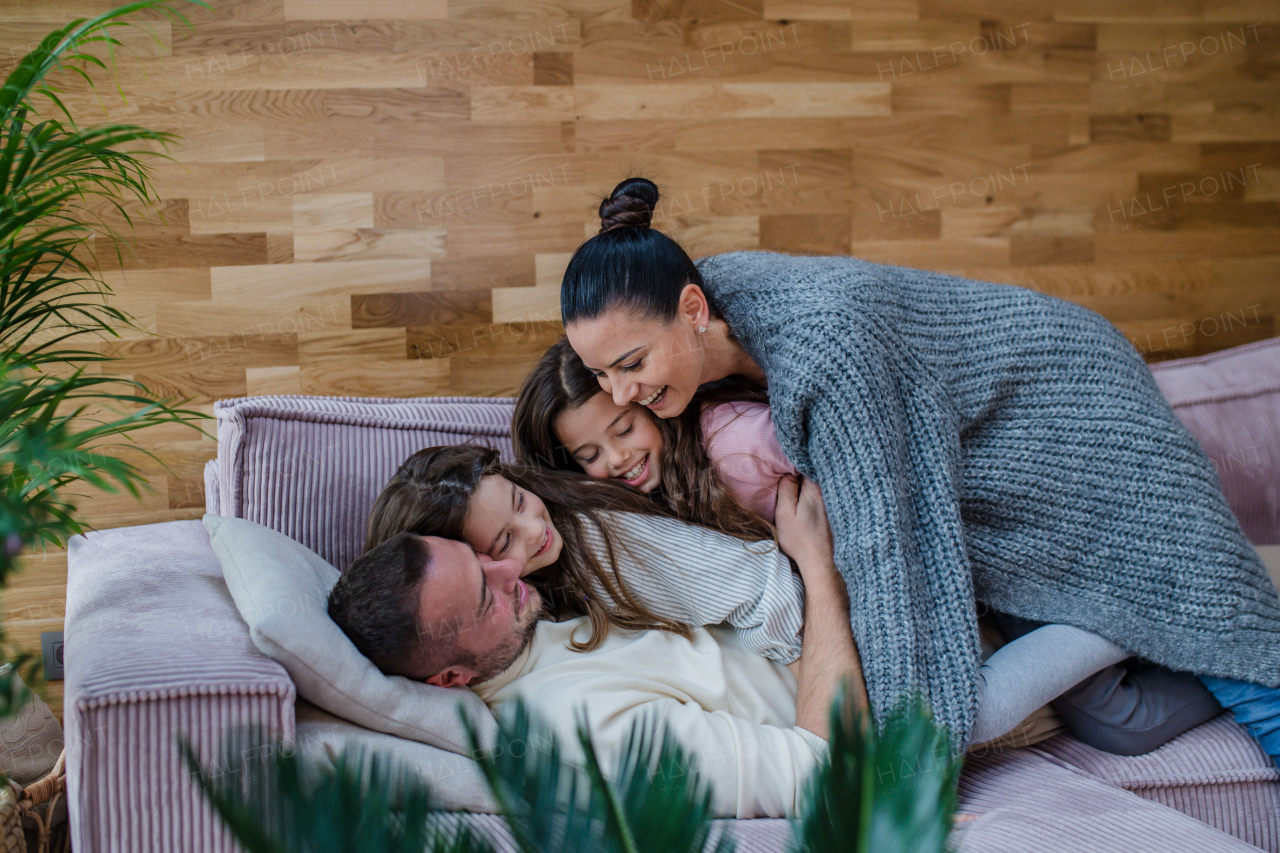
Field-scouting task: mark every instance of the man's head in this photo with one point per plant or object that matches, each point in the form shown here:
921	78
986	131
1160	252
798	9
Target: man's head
433	610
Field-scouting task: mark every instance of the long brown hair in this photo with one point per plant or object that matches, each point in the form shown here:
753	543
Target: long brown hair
430	495
690	486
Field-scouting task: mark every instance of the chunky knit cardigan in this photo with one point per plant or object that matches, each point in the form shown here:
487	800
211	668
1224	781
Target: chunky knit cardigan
983	441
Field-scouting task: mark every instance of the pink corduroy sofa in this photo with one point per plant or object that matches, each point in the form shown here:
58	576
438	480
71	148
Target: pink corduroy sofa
155	646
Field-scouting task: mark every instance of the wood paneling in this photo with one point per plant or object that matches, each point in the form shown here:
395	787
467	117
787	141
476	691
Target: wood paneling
379	198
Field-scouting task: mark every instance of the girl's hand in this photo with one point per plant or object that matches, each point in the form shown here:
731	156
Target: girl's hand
803	531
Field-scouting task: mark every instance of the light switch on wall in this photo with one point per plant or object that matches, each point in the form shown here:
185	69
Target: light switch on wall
51	644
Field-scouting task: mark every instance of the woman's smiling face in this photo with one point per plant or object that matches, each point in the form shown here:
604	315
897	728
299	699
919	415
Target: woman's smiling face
613	442
505	521
641	360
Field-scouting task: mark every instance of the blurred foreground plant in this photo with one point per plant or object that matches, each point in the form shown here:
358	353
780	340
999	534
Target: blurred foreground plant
56	178
891	791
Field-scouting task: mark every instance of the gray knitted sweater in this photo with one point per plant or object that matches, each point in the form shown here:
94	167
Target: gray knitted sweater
983	441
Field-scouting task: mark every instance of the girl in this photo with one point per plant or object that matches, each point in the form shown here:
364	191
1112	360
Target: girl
597	547
561	414
972	439
663	458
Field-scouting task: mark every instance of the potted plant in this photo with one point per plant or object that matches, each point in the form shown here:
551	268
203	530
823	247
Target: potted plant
61	417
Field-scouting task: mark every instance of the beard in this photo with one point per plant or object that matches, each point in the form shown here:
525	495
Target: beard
498	660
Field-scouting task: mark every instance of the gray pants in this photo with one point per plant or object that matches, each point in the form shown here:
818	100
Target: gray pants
1127	709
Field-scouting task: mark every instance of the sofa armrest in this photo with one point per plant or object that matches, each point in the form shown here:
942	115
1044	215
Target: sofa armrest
212	492
155	648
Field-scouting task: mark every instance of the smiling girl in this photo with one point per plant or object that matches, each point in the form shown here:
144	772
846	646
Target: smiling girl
597	547
563	420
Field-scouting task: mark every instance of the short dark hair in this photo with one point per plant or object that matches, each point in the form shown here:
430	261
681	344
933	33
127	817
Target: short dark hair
375	603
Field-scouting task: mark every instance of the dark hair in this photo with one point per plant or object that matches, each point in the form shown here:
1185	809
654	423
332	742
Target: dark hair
628	264
690	486
375	605
430	495
558	383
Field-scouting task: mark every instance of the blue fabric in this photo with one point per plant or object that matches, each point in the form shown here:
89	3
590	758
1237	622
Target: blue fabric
1256	707
978	441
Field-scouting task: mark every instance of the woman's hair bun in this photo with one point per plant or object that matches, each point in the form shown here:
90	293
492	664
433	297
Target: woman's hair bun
630	205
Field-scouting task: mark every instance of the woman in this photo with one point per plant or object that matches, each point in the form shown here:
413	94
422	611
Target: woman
718	464
972	440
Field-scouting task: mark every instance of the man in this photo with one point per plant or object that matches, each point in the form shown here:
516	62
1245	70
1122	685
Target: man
432	609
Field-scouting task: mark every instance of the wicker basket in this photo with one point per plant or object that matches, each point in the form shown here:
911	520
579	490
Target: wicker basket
11	837
38	802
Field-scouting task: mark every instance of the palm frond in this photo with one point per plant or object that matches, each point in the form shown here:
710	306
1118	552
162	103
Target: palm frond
274	800
651	802
655	800
886	791
533	785
56	181
63	49
60	187
46	445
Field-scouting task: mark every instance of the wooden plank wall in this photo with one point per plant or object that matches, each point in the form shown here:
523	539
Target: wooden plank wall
379	197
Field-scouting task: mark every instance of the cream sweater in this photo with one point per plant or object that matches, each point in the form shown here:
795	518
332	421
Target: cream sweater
731	709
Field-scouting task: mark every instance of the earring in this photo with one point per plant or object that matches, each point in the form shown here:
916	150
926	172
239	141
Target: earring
701	329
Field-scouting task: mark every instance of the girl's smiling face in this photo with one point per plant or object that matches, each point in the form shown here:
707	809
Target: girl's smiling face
613	442
505	521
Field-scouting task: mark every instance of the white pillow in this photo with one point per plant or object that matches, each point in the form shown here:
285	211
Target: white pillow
282	589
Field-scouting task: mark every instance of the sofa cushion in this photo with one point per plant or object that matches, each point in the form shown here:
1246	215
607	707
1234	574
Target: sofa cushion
311	467
1214	772
1230	401
454	780
281	588
1025	801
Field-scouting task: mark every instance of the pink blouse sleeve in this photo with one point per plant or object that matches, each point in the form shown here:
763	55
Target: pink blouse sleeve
740	441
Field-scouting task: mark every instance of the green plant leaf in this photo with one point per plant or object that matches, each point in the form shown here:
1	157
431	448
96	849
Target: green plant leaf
273	800
59	184
651	801
886	791
46	446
